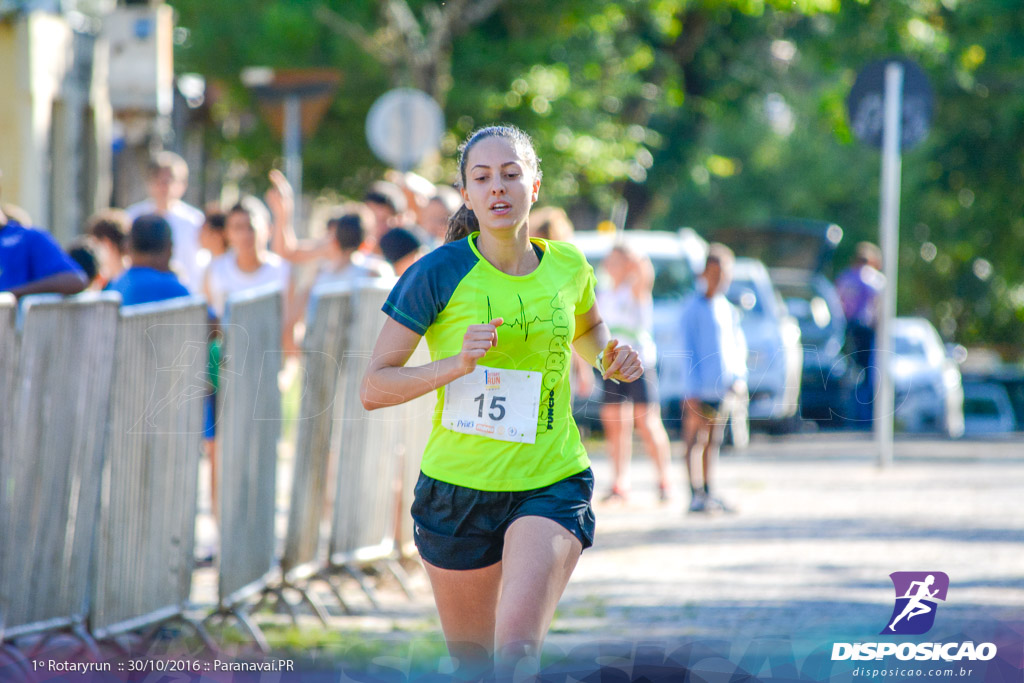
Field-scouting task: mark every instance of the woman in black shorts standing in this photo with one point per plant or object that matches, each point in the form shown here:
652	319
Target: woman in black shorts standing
629	313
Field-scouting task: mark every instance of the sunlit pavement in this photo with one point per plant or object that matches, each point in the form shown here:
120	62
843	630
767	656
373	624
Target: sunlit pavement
818	529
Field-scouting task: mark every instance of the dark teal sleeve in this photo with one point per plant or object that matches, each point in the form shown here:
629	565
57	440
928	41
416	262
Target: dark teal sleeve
410	303
424	290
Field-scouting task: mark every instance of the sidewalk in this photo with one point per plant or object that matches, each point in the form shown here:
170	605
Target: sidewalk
819	528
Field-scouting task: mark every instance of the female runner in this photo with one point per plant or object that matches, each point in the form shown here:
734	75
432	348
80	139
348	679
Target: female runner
502	506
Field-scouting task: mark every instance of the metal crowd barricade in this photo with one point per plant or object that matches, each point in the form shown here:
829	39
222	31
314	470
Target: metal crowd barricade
143	560
248	427
51	460
368	483
8	368
324	348
416	431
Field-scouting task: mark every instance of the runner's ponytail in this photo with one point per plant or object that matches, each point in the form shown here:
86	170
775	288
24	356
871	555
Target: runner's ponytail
460	224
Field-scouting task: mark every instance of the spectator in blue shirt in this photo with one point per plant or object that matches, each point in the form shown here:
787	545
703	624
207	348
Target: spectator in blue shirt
715	370
31	262
149	278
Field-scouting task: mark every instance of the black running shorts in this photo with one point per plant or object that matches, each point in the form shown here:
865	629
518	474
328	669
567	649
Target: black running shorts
463	528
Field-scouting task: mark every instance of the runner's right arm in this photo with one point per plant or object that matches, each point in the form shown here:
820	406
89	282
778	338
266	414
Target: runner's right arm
388	382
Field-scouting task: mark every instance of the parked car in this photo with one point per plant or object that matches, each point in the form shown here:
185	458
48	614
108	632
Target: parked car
813	301
799	243
1009	377
775	357
987	409
929	392
677	257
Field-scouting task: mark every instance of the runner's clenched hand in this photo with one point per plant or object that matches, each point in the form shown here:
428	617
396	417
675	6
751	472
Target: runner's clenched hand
621	363
477	341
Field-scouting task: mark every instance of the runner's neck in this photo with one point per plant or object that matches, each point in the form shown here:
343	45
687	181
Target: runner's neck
513	255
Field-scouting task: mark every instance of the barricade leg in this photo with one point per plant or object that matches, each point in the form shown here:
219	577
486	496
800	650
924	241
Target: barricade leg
18	661
78	632
267	590
314	604
248	625
90	644
194	624
401	576
325	578
255	632
363	582
278	591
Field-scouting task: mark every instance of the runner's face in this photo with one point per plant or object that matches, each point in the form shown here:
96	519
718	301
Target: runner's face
500	186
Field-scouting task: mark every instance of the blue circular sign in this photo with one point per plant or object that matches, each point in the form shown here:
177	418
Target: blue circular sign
866	103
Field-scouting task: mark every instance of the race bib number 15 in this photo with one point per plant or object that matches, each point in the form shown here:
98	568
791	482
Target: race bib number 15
494	402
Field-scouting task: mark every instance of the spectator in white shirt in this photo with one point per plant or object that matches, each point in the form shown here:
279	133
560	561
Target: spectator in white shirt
247	263
167	179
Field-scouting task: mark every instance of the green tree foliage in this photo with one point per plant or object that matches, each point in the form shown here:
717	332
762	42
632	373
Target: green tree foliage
705	113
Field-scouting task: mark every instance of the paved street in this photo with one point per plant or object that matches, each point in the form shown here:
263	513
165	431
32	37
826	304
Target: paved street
818	530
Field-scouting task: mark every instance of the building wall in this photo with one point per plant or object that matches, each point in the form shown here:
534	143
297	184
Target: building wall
55	119
35	49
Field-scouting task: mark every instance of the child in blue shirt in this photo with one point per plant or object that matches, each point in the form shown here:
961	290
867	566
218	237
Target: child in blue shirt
716	368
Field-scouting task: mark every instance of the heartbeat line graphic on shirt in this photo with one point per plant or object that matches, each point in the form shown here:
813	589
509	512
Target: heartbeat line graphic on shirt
521	321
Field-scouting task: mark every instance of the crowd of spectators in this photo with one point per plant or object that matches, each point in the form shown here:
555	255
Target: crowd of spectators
161	247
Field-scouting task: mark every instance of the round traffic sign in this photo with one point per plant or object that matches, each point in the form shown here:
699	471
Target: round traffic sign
403	126
866	103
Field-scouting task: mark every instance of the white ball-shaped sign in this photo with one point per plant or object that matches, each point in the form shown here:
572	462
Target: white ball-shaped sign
403	126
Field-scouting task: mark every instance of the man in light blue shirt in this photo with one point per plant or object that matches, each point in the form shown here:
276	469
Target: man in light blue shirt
714	371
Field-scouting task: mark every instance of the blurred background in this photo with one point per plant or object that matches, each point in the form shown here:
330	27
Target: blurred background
715	115
664	124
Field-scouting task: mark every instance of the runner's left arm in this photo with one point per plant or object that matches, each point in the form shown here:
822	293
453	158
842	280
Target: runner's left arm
620	362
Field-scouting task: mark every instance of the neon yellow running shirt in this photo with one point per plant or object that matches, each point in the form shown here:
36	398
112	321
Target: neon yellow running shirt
454	287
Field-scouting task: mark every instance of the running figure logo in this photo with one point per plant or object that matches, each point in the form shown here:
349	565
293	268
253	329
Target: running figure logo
916	596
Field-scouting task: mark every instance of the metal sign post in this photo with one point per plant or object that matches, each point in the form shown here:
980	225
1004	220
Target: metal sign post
293	150
890	106
889	211
293	102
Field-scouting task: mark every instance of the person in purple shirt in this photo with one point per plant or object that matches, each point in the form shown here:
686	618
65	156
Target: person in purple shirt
149	278
31	262
859	287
